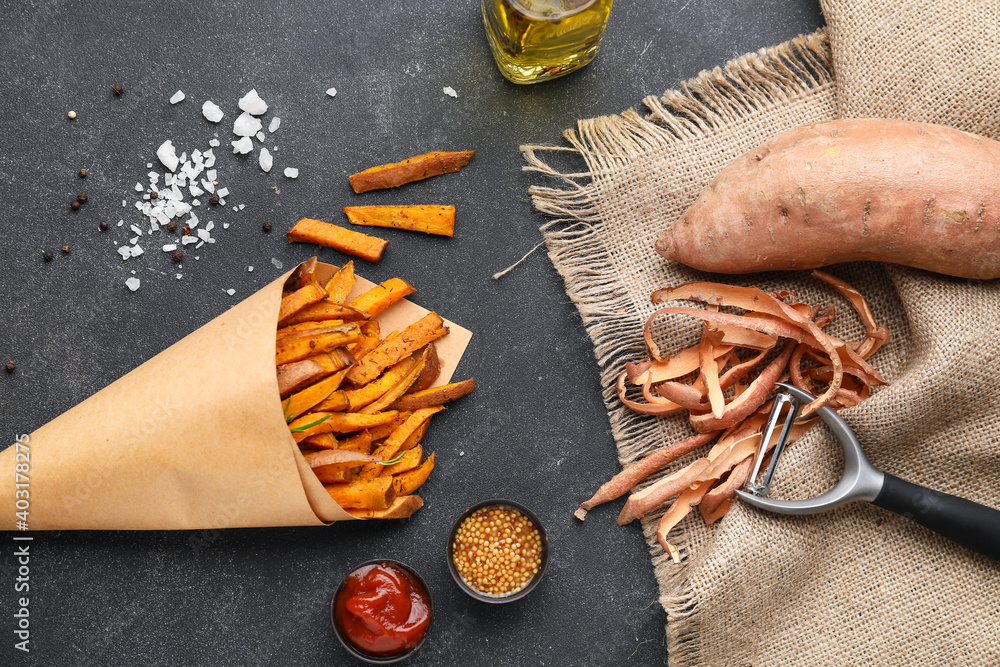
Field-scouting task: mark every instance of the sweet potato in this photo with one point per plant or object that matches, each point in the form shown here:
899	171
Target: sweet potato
372	494
323	311
425	330
402	507
341	284
307	398
380	297
297	375
299	346
409	170
347	241
864	189
409	481
436	396
295	301
431	370
336	422
427	218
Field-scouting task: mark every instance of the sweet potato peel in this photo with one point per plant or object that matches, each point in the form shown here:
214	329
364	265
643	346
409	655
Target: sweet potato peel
751	339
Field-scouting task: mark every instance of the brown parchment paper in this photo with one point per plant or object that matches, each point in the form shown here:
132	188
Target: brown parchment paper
193	438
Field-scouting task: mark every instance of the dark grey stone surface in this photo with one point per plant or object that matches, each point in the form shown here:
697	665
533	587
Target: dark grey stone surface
535	430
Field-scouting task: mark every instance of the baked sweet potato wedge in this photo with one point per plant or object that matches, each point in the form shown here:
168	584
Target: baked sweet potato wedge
412	169
427	218
308	230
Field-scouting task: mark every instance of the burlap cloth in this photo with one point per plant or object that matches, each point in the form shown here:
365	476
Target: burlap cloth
859	585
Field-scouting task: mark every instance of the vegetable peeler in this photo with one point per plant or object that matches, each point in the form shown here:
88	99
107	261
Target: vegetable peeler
970	524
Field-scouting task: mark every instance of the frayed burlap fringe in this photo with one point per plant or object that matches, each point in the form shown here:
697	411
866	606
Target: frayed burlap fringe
611	313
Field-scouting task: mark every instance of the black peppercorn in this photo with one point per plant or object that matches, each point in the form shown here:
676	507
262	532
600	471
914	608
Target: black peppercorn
10	366
172	226
82	197
117	89
47	256
267	226
75	206
104	225
154	194
186	230
178	255
82	173
214	200
65	249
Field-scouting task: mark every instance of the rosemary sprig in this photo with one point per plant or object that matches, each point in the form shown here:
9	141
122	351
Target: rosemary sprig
394	460
287	411
306	427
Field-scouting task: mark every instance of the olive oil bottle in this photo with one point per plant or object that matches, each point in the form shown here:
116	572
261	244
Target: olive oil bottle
537	40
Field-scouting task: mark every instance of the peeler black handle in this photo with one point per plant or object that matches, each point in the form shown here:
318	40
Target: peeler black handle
970	524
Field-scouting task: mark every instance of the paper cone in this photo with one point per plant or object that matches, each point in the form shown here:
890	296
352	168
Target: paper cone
193	438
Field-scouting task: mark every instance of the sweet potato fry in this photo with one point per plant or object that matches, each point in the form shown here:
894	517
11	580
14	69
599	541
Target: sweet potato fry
431	370
308	398
409	481
425	330
624	481
435	396
334	475
410	460
352	400
372	494
384	431
399	388
325	310
412	169
401	508
358	442
336	422
426	218
371	332
302	327
341	284
295	301
300	346
297	375
345	240
388	449
380	297
341	458
321	441
304	275
413	442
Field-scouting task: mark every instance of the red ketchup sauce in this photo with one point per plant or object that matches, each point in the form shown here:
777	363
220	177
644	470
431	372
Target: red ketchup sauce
382	609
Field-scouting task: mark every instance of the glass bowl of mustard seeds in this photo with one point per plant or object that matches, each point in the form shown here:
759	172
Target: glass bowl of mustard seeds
497	551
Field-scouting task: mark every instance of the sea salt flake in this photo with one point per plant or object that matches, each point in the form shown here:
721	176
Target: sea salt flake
230	292
195	190
196	155
448	90
242	146
210	226
203	235
252	104
275	124
136	250
225	225
242	206
124	203
260	137
195	202
331	91
138	187
133	239
121	222
132	284
212	174
170	247
154	176
125	252
277	263
193	220
291	172
167	155
149	165
249	269
211	111
214	142
207	185
246	125
138	232
179	276
177	97
188	240
236	208
265	159
223	192
200	244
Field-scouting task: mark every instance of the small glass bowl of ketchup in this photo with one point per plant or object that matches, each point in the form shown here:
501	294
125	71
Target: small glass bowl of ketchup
382	611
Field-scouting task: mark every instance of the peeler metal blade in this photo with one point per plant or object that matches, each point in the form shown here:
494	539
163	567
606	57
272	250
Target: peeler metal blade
861	481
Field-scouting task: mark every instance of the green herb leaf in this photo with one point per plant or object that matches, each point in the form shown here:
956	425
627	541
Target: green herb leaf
306	427
393	461
288	415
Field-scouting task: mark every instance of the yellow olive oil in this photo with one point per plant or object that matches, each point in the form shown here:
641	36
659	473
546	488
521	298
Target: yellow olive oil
537	40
